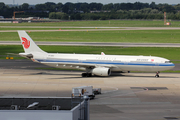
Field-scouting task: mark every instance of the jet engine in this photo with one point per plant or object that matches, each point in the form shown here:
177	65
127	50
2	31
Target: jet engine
101	71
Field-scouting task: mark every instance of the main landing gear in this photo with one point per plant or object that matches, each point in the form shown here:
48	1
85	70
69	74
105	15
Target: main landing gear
86	74
157	74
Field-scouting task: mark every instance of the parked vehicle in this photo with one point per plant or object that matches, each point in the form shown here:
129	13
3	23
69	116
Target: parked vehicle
83	91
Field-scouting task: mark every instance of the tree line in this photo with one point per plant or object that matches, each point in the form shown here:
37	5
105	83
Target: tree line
93	11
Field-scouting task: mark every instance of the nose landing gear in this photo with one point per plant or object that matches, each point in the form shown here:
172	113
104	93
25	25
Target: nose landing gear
157	74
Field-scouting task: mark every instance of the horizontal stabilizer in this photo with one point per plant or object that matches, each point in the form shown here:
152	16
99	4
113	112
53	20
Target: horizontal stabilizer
27	55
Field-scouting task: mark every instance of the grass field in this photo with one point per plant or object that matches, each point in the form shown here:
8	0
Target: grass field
135	36
101	23
169	53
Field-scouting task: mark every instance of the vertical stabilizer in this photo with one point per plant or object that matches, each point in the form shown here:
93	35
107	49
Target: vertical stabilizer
28	44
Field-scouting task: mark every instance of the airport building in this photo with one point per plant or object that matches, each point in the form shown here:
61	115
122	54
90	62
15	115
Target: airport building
44	108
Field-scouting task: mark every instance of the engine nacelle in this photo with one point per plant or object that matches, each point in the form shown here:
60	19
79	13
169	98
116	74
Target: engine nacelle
101	71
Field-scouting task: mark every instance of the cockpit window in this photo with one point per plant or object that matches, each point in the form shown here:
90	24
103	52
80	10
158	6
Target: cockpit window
167	61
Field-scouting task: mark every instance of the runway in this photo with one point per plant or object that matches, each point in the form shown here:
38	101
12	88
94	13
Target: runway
96	44
126	96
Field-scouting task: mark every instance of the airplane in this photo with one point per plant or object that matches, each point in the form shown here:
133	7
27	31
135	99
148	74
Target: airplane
99	65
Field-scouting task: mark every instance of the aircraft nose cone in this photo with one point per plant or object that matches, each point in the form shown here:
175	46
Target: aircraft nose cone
172	65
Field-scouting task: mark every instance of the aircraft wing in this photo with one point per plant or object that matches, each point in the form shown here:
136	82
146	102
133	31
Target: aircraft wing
84	65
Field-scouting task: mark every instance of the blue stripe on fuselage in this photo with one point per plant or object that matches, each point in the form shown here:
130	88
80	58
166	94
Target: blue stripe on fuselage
107	62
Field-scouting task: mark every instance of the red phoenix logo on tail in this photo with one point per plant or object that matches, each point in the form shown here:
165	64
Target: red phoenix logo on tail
26	42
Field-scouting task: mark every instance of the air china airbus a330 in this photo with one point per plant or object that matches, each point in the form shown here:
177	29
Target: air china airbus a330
100	65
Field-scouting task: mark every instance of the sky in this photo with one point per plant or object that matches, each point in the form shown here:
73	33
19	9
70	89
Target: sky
33	2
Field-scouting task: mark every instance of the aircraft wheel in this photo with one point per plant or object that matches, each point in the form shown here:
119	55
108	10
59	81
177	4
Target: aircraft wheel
89	75
84	74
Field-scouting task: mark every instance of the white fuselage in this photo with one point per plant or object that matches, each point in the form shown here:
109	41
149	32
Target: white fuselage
114	62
